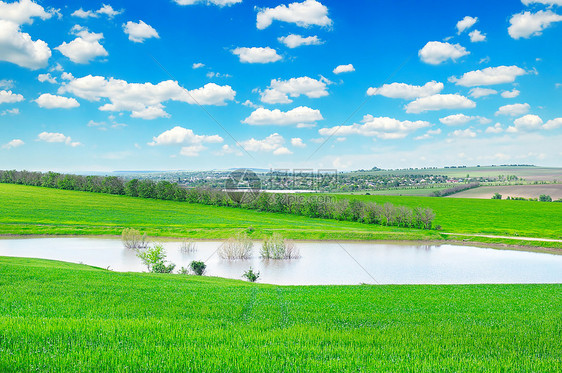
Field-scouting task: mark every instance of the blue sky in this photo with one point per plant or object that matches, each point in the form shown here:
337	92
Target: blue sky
191	85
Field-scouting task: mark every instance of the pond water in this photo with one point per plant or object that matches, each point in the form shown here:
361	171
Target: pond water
321	263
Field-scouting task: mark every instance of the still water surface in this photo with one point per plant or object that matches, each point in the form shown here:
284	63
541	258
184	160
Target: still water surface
321	263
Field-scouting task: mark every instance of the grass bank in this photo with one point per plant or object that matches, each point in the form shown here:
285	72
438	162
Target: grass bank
65	317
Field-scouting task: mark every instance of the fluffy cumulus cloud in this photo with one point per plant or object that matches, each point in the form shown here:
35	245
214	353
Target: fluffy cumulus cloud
47	78
106	10
294	41
466	133
466	23
381	127
256	54
495	129
489	76
184	136
545	2
220	3
49	101
553	124
528	122
527	24
279	91
439	102
344	69
273	143
18	48
55	137
298	115
8	97
460	119
307	13
513	110
436	52
510	94
139	32
481	92
429	134
297	142
23	11
13	144
407	91
477	36
143	100
85	47
197	65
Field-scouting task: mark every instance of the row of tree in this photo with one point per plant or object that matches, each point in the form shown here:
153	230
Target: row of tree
455	189
314	206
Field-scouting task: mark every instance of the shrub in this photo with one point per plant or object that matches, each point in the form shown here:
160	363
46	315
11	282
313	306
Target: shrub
188	246
133	240
251	275
545	198
198	267
497	196
276	247
154	259
183	271
238	247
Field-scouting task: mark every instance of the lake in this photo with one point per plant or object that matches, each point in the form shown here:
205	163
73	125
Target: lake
321	263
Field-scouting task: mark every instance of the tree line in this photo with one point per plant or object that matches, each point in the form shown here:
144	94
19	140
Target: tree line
314	206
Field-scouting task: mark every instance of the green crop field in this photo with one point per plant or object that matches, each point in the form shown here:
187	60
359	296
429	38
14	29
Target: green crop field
495	217
65	317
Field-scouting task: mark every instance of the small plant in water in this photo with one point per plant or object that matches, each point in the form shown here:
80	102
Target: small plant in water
198	267
276	247
154	258
133	240
238	247
188	246
251	275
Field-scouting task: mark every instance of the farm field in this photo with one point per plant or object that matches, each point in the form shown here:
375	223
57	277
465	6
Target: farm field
57	316
525	191
426	192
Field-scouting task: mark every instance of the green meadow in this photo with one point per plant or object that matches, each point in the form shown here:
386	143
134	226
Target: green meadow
66	317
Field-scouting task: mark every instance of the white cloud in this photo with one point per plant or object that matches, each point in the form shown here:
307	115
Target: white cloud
528	122
197	65
13	111
428	135
183	136
459	119
49	101
249	103
527	24
104	10
466	23
301	114
55	137
294	41
256	54
84	48
513	110
466	133
17	47
307	13
7	84
344	69
407	91
13	144
220	3
47	78
496	128
510	94
227	149
481	92
436	52
139	32
489	76
143	100
477	36
381	127
192	150
279	91
271	144
7	97
297	142
553	124
545	2
439	102
23	11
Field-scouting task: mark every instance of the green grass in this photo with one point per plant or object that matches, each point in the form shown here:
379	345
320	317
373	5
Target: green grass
63	317
427	191
36	210
482	216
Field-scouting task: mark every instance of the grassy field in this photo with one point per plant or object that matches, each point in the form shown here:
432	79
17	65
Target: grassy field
426	192
64	317
525	191
36	210
495	217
